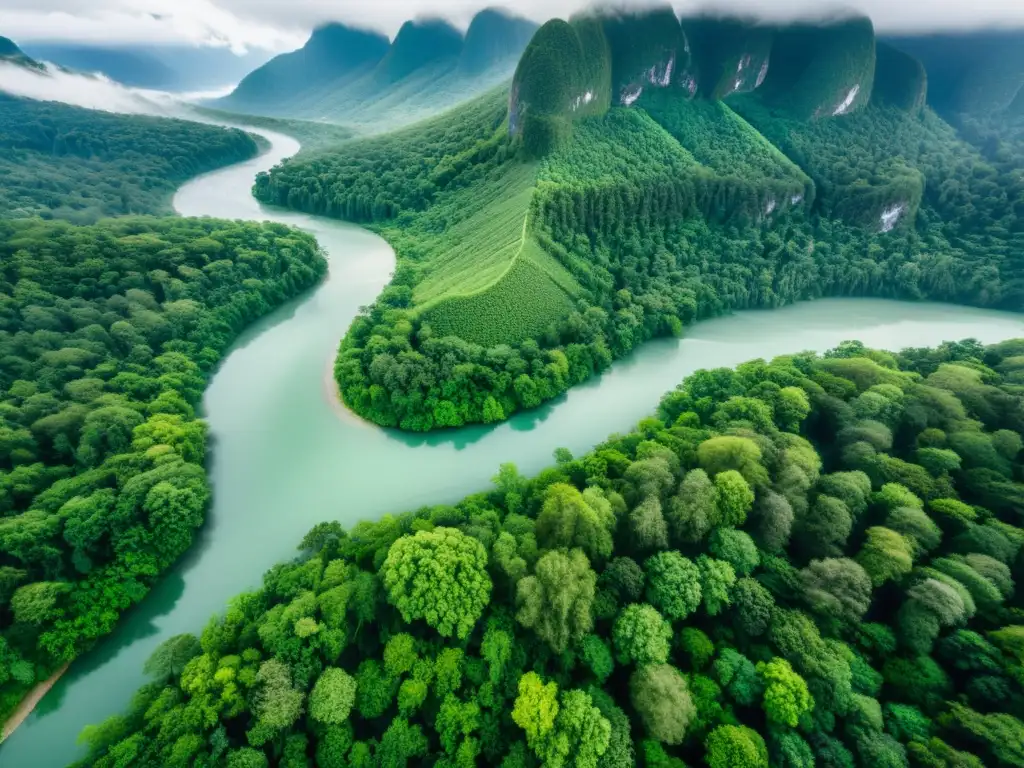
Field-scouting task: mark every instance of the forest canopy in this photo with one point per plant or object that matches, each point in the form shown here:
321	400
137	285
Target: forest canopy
108	334
80	165
807	561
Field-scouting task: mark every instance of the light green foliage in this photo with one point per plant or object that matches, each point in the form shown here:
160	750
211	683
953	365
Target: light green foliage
555	602
641	635
735	497
786	697
673	584
333	697
569	518
439	576
693	511
733	746
721	454
400	655
717	578
939	658
660	696
736	548
886	554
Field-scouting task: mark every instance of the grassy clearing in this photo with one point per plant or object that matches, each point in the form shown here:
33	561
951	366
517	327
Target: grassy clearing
531	295
476	249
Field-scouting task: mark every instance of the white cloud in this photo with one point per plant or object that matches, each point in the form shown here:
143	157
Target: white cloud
283	24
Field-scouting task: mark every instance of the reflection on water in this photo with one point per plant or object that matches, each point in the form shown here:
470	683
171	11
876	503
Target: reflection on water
283	459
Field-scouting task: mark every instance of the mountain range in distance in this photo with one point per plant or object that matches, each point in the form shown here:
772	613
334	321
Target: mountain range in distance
178	68
359	77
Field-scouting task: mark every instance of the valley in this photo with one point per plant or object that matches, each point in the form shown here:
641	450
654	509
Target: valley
754	287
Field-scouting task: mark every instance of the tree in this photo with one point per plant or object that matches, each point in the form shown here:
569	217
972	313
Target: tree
586	731
786	697
720	454
823	530
837	587
647	525
735	746
277	703
738	676
333	697
439	576
400	743
915	524
535	709
625	578
717	578
569	518
556	601
641	635
171	656
734	497
753	605
772	521
886	555
693	511
673	584
660	696
736	548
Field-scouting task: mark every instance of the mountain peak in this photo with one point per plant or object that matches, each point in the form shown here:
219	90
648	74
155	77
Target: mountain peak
494	35
332	52
418	43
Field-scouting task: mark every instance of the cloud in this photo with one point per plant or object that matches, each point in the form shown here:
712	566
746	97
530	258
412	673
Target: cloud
283	24
89	91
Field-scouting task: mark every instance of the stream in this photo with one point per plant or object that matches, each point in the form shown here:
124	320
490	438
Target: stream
285	455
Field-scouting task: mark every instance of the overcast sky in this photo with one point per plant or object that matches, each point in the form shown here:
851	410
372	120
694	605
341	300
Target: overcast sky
284	24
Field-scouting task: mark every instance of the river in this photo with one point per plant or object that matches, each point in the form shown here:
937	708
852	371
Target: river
284	457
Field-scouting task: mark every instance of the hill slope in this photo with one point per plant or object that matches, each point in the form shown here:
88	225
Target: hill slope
332	53
655	210
64	162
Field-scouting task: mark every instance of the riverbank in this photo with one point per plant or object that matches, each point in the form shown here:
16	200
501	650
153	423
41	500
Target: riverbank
29	703
332	393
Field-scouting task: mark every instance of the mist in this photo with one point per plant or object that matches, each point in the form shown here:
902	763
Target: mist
94	91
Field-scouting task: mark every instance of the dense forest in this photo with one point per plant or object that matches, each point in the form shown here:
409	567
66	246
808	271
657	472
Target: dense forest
80	165
661	214
108	334
805	562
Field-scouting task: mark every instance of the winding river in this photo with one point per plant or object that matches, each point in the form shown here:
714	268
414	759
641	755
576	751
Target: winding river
286	456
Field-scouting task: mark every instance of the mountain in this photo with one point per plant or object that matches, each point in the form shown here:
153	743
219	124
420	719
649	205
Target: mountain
729	55
901	80
159	67
493	38
9	51
333	52
359	79
974	72
419	44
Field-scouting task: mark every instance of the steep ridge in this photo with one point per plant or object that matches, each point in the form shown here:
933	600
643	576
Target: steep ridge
419	44
332	53
360	79
494	38
900	80
822	70
9	51
729	55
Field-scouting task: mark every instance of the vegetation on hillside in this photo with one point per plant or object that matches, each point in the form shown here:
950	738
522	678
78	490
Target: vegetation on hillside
81	165
812	561
107	336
